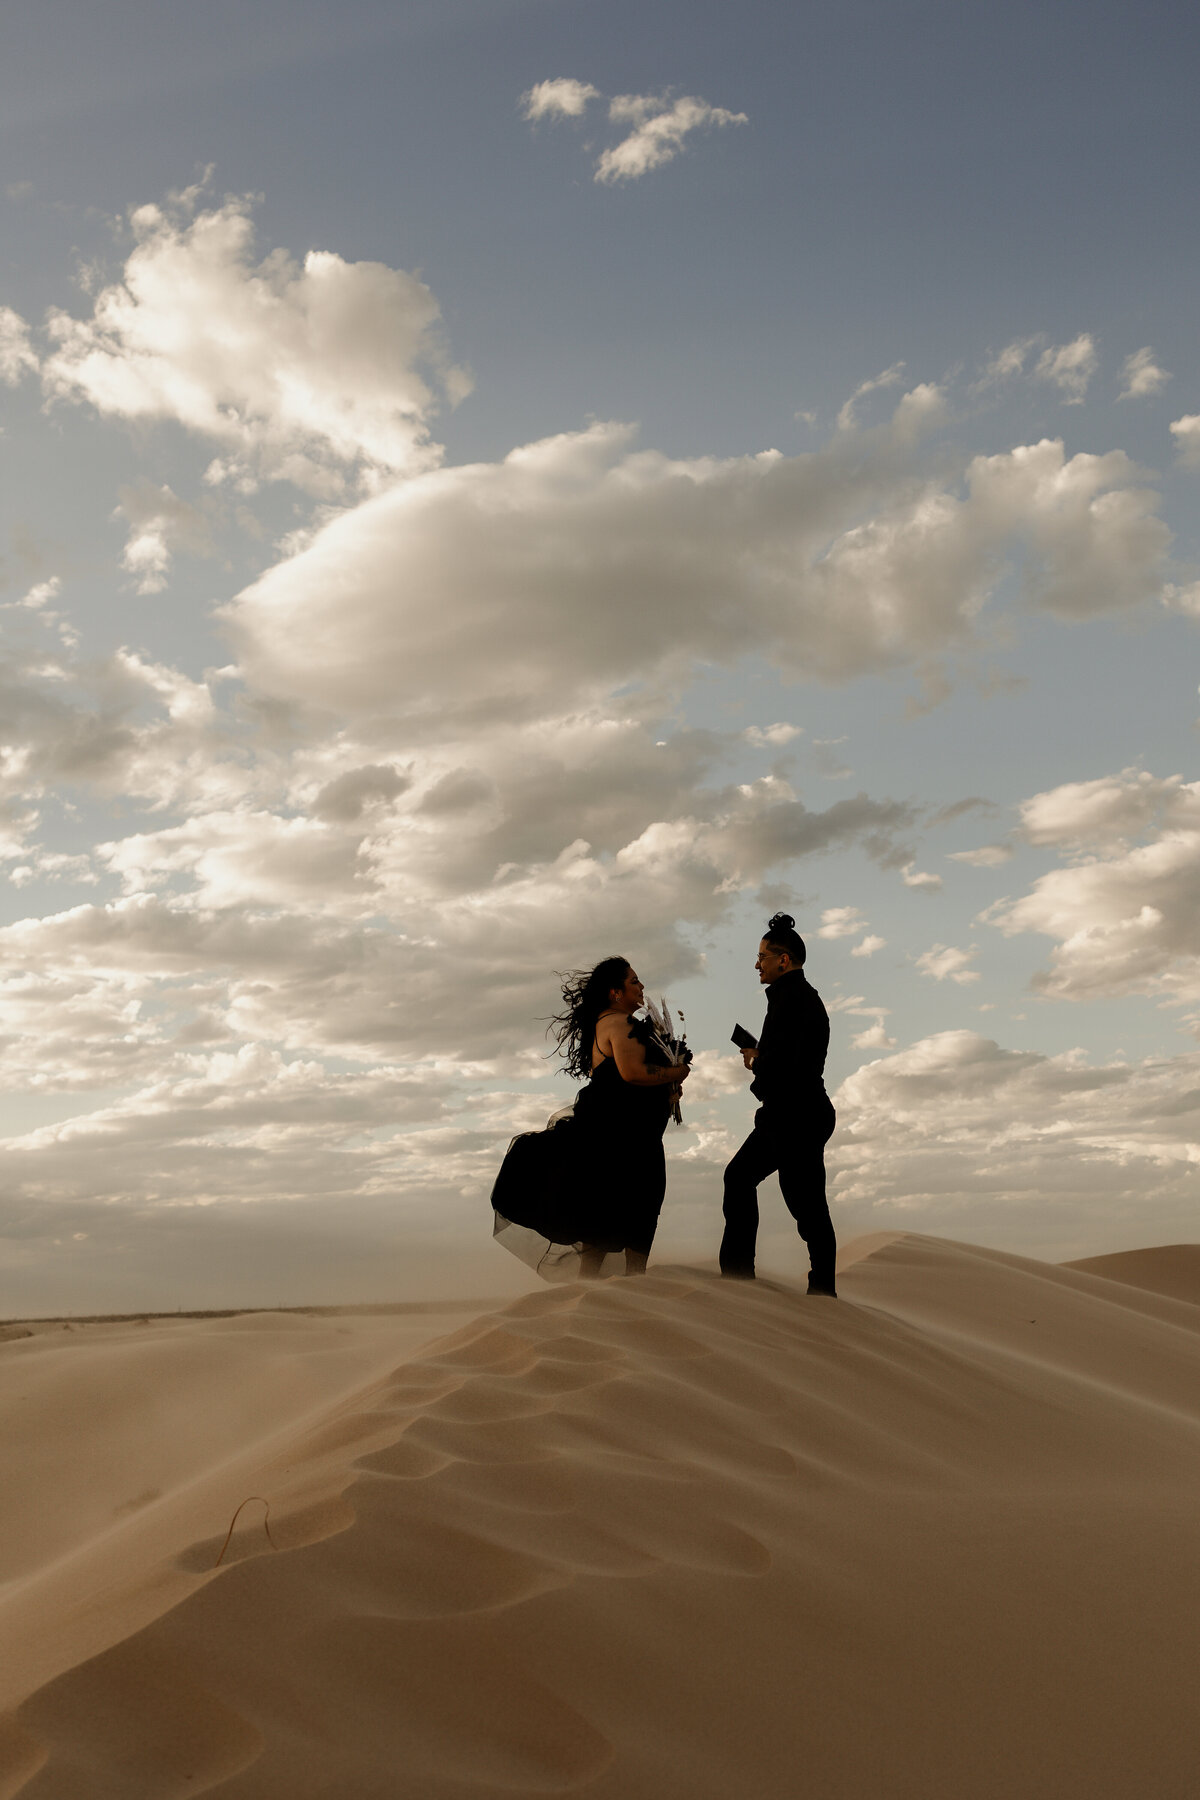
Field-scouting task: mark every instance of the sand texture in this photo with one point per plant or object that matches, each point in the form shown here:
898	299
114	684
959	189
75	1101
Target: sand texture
664	1539
1172	1269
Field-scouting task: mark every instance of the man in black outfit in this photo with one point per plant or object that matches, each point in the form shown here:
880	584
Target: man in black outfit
795	1119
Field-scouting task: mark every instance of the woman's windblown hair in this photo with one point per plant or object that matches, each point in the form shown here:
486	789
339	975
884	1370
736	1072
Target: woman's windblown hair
585	995
781	931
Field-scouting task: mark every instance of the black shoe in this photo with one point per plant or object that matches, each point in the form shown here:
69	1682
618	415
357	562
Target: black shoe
815	1287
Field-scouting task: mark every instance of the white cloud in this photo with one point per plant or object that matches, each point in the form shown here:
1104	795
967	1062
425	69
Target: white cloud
772	736
874	1038
17	356
847	418
1125	915
944	963
372	924
1069	367
562	98
988	856
1186	432
1095	530
304	373
1109	811
920	878
580	563
1141	375
1184	599
661	125
919	411
1009	362
160	524
870	944
122	725
41	593
841	921
659	130
956	1133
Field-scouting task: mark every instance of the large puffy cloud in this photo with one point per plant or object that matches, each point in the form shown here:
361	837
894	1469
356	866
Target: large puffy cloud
580	563
1109	812
309	373
1124	913
958	1134
1092	527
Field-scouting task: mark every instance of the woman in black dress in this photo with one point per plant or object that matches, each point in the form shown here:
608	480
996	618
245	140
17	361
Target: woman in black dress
593	1182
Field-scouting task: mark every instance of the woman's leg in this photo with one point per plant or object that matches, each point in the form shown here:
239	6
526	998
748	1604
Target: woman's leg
645	1203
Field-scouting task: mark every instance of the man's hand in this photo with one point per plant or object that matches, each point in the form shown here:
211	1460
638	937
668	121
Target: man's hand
748	1057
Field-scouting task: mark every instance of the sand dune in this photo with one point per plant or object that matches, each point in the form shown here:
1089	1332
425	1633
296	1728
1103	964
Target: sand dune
937	1540
119	1441
1172	1269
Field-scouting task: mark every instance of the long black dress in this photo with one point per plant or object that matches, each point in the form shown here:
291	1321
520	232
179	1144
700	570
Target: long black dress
594	1178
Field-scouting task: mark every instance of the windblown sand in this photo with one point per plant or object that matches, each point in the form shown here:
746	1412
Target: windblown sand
937	1540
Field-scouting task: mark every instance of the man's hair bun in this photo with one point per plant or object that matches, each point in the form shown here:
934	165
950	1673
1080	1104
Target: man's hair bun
781	932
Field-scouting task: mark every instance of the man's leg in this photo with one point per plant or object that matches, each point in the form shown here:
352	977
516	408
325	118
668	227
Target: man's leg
802	1183
591	1261
756	1159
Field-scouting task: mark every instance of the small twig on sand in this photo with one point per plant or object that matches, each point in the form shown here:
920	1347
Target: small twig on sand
233	1522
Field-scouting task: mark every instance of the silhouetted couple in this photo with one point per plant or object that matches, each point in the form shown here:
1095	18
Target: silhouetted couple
592	1184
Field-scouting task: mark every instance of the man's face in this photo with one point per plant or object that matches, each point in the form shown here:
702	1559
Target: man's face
771	963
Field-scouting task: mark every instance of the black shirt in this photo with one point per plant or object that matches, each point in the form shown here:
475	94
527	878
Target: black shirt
793	1045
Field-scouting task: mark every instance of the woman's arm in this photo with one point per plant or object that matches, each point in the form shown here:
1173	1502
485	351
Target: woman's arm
615	1036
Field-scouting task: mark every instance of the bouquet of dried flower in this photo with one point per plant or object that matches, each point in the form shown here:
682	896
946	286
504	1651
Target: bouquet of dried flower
674	1047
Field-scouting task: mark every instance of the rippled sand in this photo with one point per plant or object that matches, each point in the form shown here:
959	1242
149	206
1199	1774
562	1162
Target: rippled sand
671	1537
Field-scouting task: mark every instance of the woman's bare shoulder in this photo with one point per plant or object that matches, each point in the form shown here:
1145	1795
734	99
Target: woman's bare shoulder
610	1026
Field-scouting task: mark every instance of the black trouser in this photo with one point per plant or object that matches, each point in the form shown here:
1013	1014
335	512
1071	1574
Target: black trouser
797	1151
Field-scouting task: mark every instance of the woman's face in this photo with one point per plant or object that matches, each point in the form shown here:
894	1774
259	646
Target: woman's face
629	997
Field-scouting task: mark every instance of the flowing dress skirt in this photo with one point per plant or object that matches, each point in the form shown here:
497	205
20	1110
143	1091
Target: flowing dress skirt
595	1177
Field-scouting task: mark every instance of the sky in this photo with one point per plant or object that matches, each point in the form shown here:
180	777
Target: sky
491	484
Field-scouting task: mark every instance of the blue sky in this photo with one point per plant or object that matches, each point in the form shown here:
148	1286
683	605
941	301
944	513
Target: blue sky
861	541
